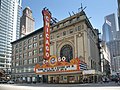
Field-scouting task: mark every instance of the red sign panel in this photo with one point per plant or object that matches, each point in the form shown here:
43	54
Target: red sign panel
46	19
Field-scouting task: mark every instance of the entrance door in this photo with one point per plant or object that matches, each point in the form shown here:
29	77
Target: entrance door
51	80
57	80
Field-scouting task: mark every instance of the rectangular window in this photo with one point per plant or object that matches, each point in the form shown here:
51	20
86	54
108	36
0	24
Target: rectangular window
34	45
29	61
30	46
25	62
17	64
34	52
71	31
41	50
29	40
25	55
16	45
25	48
25	42
79	28
41	35
16	57
30	53
20	56
20	50
64	33
20	44
20	62
40	58
35	38
58	35
16	51
34	60
41	42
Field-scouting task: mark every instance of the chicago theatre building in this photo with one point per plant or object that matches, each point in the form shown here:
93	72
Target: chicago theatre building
74	53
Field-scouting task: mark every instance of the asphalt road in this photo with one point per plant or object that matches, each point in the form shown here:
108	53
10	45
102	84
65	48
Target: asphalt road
41	86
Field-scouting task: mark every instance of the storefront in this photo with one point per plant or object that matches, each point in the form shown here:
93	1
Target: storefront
65	78
91	76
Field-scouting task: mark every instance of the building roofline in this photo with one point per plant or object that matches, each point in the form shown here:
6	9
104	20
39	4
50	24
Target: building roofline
32	33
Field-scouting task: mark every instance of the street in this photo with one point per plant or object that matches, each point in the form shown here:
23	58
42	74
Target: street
38	86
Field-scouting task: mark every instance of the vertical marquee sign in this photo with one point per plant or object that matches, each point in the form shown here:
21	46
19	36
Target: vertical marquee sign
46	18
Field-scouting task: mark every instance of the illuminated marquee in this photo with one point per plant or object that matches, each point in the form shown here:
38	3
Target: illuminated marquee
46	19
54	66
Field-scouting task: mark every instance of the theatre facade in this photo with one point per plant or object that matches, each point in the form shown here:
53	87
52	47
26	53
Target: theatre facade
72	53
74	50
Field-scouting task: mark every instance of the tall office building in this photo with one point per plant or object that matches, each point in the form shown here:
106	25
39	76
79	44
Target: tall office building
26	22
109	28
119	14
9	30
114	47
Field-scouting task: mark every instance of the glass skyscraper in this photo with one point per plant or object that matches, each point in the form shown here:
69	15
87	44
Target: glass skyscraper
109	28
9	30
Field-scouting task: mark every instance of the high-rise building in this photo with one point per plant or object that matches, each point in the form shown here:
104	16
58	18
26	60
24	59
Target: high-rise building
114	47
9	30
109	28
105	59
26	22
119	14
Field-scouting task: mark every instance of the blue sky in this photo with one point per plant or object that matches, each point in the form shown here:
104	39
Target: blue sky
96	9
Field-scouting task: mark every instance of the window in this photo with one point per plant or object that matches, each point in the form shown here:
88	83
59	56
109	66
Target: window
16	45
30	46
17	57
20	62
16	51
58	35
25	48
41	42
20	56
20	44
29	61
25	55
34	60
41	50
20	50
25	62
29	40
35	38
51	37
41	35
34	52
71	31
34	45
82	26
64	33
40	58
25	42
79	28
17	63
30	53
67	51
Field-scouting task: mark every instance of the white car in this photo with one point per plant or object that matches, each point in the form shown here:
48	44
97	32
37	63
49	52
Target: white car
10	82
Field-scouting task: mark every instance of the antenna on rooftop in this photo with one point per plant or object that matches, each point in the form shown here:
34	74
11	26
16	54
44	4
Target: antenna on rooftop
73	12
53	20
69	14
82	8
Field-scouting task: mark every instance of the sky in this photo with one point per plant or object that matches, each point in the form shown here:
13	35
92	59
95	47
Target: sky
96	9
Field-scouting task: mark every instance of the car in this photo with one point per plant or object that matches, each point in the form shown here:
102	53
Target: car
10	82
3	81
